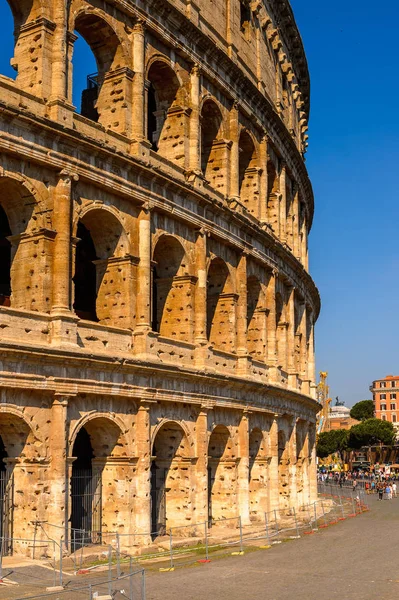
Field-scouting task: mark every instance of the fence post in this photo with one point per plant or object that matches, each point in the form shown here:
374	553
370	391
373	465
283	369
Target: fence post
276	523
353	505
171	548
130	580
315	516
110	570
61	582
206	541
267	529
241	543
118	556
324	514
143	590
55	565
296	523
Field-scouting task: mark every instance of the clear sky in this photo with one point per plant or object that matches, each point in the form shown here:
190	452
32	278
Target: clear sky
353	161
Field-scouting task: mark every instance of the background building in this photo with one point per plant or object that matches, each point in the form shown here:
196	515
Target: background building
157	314
339	418
385	398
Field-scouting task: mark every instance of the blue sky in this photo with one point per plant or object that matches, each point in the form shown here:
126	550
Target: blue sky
353	161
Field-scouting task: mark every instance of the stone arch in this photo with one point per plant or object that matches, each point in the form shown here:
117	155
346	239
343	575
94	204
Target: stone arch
99	478
222	474
24	248
21	463
173	290
256	318
248	172
284	460
281	331
102	267
171	476
213	146
221	306
273	196
258	475
165	104
111	82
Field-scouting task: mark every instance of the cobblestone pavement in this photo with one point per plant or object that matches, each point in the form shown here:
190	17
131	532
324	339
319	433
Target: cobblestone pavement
356	559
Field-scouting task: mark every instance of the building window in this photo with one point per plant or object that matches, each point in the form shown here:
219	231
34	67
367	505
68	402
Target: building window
392	396
383	417
383	396
382	384
393	383
393	406
245	15
393	418
383	407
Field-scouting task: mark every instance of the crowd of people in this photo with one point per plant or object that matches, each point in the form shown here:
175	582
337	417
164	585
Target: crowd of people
381	483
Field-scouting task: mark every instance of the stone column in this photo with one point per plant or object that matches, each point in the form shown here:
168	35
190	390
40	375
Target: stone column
273	465
242	309
243	470
312	472
63	321
58	509
271	326
143	474
200	337
138	90
195	129
311	360
62	222
295	228
263	191
292	374
234	192
144	291
293	464
283	204
201	468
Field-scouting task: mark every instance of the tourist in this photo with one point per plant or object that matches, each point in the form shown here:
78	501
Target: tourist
388	491
380	490
394	489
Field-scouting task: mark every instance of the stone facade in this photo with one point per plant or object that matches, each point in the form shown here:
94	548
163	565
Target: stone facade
157	315
386	399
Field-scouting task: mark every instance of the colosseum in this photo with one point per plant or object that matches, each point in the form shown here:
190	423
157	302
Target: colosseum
157	314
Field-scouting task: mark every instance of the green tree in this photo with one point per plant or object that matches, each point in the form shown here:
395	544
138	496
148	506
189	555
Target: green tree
330	442
371	432
362	410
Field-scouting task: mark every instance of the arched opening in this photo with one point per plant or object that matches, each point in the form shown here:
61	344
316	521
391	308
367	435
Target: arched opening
222	475
85	278
248	174
85	79
100	281
258	475
17	445
172	310
213	159
98	487
102	83
273	197
256	319
284	461
281	332
221	306
162	97
5	260
171	504
10	27
302	453
17	268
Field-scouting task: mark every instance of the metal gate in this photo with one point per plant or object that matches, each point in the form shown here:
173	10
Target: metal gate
86	508
6	511
158	501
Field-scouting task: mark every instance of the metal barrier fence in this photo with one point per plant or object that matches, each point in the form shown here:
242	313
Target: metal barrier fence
131	586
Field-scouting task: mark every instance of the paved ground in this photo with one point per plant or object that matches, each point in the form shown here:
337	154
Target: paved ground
356	559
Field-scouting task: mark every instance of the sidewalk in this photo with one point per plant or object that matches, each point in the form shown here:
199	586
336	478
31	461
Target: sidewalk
354	560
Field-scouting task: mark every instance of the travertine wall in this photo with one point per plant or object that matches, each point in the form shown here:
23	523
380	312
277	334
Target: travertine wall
154	287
